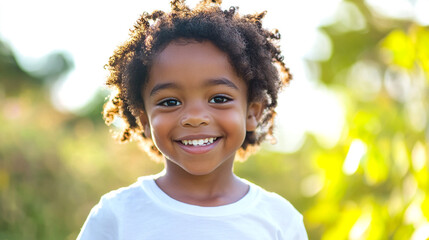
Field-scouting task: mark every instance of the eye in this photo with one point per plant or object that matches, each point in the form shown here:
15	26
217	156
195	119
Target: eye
171	102
220	99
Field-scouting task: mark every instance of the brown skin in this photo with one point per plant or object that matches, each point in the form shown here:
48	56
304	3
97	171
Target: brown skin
199	96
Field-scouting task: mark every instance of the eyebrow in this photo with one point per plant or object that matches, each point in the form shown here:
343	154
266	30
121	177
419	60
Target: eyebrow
161	86
210	82
222	81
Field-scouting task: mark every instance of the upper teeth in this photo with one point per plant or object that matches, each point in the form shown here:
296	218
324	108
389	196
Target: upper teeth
199	142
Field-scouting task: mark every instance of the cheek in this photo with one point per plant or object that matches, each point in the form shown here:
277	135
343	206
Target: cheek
160	127
234	123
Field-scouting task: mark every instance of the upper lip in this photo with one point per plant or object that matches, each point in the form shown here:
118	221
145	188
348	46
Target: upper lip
196	137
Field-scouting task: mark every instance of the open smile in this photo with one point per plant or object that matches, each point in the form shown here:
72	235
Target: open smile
199	142
198	145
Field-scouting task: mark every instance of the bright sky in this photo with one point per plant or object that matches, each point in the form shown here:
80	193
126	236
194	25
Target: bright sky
90	30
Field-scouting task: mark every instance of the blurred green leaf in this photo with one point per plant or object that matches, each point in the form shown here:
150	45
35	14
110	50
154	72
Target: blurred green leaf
401	48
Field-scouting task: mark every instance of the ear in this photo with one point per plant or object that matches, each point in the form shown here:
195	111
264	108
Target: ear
254	112
145	124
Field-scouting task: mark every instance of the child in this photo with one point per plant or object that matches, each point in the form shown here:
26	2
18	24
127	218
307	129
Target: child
197	86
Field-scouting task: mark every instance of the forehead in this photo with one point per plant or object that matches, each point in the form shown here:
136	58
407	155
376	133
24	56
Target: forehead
186	52
193	61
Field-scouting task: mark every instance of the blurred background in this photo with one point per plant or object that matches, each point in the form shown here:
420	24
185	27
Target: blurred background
352	133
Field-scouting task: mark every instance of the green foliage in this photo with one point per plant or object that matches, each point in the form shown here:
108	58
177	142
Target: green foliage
406	50
386	196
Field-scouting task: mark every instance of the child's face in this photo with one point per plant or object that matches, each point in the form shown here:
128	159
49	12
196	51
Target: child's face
196	107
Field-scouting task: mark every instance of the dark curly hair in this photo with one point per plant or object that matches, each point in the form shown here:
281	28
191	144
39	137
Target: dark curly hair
252	50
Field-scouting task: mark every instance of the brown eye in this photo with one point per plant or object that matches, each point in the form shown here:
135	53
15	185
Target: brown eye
220	99
171	102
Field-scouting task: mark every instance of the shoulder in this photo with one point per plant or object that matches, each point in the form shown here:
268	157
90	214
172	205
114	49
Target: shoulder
280	213
103	220
126	195
274	202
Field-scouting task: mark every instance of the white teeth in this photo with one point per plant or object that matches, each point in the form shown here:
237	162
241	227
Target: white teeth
199	142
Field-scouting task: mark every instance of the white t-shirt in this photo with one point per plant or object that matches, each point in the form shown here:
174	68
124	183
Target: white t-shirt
143	211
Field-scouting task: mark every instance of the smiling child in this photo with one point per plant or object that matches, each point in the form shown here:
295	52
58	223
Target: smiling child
197	87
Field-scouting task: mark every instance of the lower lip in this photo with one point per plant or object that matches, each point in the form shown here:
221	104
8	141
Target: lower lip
198	149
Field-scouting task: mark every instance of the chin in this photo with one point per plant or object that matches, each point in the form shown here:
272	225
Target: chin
199	171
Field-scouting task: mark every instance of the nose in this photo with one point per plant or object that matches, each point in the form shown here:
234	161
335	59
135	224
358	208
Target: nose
195	115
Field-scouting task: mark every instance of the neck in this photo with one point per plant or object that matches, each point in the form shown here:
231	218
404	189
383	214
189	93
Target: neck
220	187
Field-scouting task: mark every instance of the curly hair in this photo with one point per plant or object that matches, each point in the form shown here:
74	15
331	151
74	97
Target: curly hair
253	52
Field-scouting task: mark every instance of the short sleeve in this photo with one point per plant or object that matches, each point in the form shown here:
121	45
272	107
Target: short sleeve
100	224
301	233
297	232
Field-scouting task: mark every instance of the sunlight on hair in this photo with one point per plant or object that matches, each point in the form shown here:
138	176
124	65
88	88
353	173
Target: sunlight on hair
356	152
119	123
